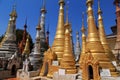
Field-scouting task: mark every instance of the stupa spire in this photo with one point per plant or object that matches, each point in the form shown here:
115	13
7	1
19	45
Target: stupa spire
99	9
103	35
68	26
27	46
47	36
93	36
58	44
82	19
23	41
77	48
42	22
13	14
61	3
37	43
43	7
42	31
25	31
67	20
83	39
68	61
11	29
36	56
83	35
38	28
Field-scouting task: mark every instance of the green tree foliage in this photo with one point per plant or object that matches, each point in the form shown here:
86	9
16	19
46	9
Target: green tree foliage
19	35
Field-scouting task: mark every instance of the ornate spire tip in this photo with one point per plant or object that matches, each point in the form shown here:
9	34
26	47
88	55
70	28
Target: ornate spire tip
43	7
89	1
61	2
77	33
99	9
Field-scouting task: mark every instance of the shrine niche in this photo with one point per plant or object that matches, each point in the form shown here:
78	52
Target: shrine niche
90	67
48	69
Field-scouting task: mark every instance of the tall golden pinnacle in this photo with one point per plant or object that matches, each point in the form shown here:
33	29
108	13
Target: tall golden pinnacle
68	61
103	35
83	39
58	44
93	36
67	24
94	45
67	20
27	46
83	36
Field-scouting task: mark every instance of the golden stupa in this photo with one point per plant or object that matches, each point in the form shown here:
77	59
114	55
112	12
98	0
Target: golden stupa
26	50
103	35
58	44
67	25
57	50
68	61
94	58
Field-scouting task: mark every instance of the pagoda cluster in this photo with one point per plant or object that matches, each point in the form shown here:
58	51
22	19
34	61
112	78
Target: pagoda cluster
90	60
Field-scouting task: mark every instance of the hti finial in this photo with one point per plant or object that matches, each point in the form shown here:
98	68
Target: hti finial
13	13
67	20
83	29
82	18
28	29
25	26
89	1
43	6
44	1
99	9
77	32
14	6
26	20
38	26
77	36
98	4
39	20
61	2
48	30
